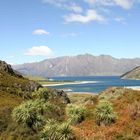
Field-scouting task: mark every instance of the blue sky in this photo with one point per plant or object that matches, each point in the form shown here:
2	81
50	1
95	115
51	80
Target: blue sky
33	30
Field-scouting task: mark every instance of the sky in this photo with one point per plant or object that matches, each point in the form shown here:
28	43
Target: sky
34	30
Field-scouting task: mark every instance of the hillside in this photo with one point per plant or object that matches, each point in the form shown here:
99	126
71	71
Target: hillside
81	65
30	112
14	90
133	74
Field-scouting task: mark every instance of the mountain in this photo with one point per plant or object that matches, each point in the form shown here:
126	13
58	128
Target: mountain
133	74
80	65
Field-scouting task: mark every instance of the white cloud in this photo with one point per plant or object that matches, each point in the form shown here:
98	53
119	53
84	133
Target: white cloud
125	4
65	4
91	15
120	19
76	8
84	14
39	51
40	32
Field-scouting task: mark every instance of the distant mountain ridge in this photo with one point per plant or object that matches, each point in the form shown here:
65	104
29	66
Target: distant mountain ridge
80	65
133	74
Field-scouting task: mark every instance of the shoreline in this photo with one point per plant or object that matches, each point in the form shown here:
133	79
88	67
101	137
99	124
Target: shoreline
70	83
87	93
133	87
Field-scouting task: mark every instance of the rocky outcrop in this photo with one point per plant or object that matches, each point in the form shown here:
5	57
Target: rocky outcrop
14	83
4	67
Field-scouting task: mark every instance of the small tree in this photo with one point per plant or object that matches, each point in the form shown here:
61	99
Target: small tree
104	113
75	113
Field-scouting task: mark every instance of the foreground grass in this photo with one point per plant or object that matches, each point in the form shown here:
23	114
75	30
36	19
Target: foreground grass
47	115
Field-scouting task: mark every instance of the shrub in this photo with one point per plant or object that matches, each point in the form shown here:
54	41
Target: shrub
50	130
41	93
75	113
65	132
55	131
104	113
27	114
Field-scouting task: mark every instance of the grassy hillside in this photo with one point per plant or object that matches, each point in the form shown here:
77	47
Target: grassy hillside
133	74
30	112
126	106
16	90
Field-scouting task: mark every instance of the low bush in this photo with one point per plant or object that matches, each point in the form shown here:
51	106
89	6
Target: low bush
28	114
104	113
55	131
75	113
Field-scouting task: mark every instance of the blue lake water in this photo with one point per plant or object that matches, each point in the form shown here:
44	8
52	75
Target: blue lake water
103	82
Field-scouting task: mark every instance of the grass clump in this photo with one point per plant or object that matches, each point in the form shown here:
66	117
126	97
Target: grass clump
55	131
104	113
75	113
41	93
27	114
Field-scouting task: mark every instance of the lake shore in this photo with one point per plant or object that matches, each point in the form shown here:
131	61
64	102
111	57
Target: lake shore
79	93
134	87
69	83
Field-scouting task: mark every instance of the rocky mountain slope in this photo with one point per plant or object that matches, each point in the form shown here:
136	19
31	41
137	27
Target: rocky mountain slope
11	81
81	65
133	74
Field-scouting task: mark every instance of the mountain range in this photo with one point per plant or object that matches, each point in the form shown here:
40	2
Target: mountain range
80	65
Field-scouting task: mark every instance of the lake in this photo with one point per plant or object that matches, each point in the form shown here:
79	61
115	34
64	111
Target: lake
103	82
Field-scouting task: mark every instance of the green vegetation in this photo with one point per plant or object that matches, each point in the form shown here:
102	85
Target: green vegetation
75	113
31	112
27	114
104	113
56	131
36	78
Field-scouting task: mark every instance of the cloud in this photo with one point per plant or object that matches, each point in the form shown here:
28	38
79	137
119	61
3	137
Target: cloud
39	51
40	32
120	19
65	4
91	15
76	8
84	14
125	4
